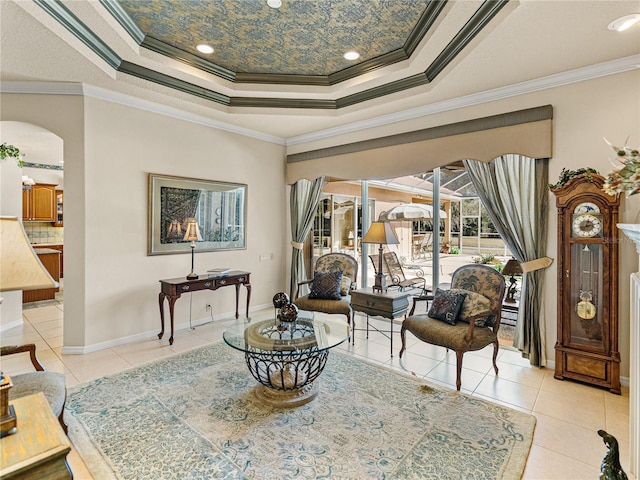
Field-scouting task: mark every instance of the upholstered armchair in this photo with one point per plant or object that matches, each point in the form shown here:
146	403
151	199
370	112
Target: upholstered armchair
464	318
52	384
330	293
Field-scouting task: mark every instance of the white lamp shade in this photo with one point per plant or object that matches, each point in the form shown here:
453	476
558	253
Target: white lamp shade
20	267
192	231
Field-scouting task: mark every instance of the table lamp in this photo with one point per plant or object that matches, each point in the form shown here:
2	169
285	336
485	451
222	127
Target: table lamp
192	234
513	269
174	231
20	269
382	234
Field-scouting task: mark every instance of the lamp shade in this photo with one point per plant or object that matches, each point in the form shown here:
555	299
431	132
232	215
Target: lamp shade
174	232
20	267
192	231
382	233
512	268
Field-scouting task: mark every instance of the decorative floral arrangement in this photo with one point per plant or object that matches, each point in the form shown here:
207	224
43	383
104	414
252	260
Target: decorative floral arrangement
9	151
625	177
567	175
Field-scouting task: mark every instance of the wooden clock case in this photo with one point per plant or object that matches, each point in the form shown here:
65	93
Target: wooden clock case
581	354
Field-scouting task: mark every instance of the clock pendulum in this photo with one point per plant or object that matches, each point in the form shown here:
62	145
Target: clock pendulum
585	307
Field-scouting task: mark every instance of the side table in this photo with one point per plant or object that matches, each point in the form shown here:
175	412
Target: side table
39	447
390	304
172	288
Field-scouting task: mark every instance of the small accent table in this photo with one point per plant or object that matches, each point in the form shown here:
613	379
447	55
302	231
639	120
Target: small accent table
390	304
39	447
173	288
286	358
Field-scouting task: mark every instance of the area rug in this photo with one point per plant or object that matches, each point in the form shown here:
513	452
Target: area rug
196	416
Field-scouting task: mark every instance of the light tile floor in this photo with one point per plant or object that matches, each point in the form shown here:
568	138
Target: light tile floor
565	444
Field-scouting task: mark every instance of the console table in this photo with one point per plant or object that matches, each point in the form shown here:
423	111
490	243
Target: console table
173	288
390	304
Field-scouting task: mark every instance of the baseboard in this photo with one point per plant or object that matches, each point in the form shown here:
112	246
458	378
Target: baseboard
14	324
82	350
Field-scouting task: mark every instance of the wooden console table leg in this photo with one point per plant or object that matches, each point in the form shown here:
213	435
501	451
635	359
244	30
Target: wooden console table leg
237	297
172	302
248	287
161	302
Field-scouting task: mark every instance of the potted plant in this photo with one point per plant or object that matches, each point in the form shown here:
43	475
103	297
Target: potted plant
10	151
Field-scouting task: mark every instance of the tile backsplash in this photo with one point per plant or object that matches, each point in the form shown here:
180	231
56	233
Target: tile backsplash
44	232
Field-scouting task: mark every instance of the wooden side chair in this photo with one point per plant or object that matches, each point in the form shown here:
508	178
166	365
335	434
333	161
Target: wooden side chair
323	297
52	384
463	318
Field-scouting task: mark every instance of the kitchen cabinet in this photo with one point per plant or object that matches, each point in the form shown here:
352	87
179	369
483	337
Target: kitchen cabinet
60	248
59	209
50	259
39	203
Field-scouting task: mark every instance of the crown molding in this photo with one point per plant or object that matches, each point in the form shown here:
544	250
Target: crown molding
41	88
67	19
613	67
552	81
64	88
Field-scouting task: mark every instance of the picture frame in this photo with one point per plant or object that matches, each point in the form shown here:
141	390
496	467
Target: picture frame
219	209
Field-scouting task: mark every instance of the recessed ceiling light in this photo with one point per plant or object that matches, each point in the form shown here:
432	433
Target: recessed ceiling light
202	48
622	23
274	3
352	55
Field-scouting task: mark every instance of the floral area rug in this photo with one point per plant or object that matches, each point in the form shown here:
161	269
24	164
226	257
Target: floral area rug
196	416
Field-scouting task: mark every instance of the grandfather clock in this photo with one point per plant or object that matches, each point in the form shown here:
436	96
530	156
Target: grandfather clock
587	344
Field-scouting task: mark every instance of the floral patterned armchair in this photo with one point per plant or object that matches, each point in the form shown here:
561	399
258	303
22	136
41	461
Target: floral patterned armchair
331	263
474	326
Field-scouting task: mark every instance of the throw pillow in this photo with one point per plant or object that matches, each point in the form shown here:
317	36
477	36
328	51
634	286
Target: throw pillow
446	306
475	306
326	286
345	286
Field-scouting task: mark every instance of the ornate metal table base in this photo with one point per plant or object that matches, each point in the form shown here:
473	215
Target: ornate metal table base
287	398
286	360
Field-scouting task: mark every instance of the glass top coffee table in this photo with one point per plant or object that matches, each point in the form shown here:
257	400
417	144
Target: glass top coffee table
286	358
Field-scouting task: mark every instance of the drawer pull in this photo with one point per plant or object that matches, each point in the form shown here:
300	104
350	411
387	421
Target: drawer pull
223	282
185	287
207	284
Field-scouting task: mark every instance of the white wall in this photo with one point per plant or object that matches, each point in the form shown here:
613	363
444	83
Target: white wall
124	145
111	285
583	114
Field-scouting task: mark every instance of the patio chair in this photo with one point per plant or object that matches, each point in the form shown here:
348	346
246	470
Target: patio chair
422	249
52	384
464	318
320	300
392	267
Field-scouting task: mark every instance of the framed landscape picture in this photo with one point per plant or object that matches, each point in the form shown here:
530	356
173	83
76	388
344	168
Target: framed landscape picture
219	210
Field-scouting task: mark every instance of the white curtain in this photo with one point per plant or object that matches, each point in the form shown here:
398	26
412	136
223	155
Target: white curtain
513	189
305	196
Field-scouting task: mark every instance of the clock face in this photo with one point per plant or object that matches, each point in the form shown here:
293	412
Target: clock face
586	225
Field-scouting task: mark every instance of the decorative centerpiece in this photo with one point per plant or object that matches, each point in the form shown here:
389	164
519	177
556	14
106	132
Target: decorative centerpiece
625	177
288	313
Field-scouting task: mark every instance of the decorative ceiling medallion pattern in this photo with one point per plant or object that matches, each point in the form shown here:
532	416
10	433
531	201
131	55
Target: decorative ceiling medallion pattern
182	26
302	37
